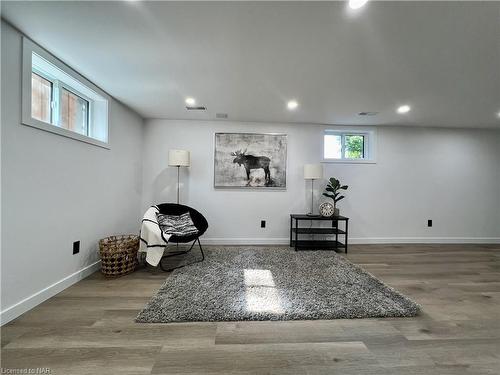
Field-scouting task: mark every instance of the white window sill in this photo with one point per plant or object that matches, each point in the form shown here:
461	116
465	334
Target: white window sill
349	161
34	123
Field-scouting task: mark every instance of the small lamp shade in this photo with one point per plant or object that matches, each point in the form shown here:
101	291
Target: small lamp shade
179	158
313	171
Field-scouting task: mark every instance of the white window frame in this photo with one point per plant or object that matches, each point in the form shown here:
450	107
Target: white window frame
53	82
369	146
95	95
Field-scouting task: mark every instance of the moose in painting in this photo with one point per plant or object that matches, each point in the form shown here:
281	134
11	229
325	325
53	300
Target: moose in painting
253	162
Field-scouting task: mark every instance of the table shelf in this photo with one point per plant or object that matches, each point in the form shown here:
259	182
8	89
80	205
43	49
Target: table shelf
317	244
318	231
334	232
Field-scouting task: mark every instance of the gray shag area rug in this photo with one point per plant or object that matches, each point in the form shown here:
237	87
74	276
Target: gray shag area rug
257	283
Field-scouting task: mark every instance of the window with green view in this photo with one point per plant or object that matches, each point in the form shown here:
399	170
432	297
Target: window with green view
348	146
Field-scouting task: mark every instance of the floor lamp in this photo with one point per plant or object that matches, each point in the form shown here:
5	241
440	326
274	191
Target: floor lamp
313	172
178	158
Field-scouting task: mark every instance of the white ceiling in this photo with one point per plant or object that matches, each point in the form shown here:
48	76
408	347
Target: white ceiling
248	59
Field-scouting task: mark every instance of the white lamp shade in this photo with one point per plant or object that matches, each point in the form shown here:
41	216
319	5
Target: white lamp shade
313	171
179	158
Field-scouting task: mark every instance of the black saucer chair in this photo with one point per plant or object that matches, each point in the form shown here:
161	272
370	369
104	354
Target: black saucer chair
199	222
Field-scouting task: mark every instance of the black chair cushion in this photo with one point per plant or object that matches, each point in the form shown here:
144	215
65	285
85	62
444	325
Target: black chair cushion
199	220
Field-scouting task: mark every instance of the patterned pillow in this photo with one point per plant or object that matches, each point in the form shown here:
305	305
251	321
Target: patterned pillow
180	226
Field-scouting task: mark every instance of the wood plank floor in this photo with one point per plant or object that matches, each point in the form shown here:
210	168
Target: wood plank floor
89	328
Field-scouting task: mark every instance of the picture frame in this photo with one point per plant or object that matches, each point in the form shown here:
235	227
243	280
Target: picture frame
256	161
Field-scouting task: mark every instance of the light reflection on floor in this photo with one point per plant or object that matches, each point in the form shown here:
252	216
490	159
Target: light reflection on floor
261	293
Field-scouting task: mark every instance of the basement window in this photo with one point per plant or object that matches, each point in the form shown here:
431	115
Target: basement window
349	146
58	100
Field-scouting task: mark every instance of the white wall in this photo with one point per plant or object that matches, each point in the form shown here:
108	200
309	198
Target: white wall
451	176
57	190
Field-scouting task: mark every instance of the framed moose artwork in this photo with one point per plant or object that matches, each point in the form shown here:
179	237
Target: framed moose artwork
248	160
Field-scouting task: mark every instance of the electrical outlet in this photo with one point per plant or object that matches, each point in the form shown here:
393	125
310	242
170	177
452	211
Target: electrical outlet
262	223
429	223
76	247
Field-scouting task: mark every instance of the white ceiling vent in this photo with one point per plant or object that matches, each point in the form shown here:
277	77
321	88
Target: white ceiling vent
221	115
368	113
196	108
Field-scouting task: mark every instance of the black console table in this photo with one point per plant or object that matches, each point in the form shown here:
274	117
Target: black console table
311	244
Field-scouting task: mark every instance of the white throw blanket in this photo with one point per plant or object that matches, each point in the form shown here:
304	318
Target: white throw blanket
153	240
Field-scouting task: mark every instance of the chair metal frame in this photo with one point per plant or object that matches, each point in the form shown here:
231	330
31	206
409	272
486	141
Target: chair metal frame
180	252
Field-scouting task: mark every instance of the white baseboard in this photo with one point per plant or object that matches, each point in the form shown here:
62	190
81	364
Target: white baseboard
358	240
28	303
244	241
426	240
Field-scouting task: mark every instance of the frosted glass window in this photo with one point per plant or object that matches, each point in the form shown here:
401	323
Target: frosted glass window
333	146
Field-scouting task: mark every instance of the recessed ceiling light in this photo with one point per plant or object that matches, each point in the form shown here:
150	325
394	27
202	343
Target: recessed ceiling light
356	4
498	114
190	101
292	104
404	109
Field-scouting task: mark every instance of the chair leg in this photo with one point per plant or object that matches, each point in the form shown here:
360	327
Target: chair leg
183	252
201	250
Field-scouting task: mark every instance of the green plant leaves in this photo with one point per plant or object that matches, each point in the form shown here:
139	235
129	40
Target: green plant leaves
333	188
334	182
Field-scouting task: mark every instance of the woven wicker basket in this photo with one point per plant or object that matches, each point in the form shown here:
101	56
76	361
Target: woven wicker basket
118	255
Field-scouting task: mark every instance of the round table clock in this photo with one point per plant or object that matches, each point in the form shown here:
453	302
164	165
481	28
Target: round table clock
326	209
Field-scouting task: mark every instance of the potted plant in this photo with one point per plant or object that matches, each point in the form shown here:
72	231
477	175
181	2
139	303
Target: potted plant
333	191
